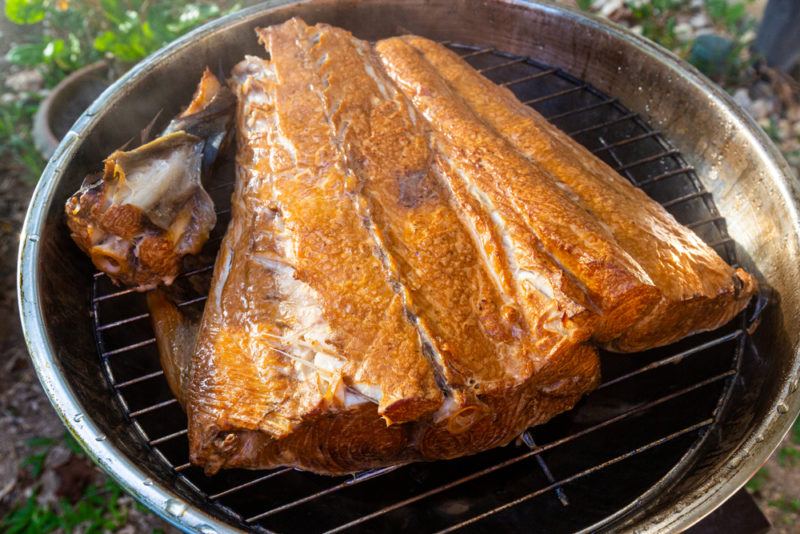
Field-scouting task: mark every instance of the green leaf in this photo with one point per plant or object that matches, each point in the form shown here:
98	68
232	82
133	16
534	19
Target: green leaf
54	50
40	442
73	445
105	41
35	463
114	10
26	54
788	456
25	11
796	425
787	505
755	484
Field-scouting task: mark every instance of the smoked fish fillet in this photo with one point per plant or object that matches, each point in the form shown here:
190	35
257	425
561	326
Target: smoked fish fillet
417	266
699	291
358	316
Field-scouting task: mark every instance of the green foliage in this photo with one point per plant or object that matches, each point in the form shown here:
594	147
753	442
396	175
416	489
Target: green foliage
796	426
729	14
69	34
25	11
755	484
723	57
16	144
97	511
786	505
40	447
585	5
75	33
788	456
136	34
657	19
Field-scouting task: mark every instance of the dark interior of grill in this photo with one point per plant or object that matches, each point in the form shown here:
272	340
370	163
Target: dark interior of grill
630	439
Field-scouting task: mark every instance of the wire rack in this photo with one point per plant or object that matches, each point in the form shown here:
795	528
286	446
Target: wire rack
621	446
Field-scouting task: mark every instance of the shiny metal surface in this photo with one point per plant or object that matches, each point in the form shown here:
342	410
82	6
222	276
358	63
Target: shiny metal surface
736	162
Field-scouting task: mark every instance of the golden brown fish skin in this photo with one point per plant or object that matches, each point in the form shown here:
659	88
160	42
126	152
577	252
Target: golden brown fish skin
175	335
540	379
323	120
240	381
699	290
297	246
332	443
556	387
614	283
486	350
336	253
434	260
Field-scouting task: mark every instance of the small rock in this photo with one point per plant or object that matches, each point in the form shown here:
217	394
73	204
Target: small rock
637	29
25	81
684	31
711	54
608	7
697	4
761	108
699	21
58	456
742	97
48	488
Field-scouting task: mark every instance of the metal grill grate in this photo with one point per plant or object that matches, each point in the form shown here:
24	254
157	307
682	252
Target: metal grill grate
624	443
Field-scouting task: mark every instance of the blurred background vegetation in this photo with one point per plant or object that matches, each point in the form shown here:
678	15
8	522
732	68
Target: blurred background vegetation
54	486
63	36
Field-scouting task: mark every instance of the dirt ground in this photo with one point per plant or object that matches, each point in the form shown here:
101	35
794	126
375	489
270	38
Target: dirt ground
26	415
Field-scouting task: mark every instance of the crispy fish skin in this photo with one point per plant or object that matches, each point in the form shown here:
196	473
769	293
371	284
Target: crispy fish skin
616	288
332	334
241	380
338	252
147	210
445	286
358	148
175	335
699	291
487	363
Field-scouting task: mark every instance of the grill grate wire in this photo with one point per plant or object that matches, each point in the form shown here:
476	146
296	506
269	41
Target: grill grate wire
593	119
